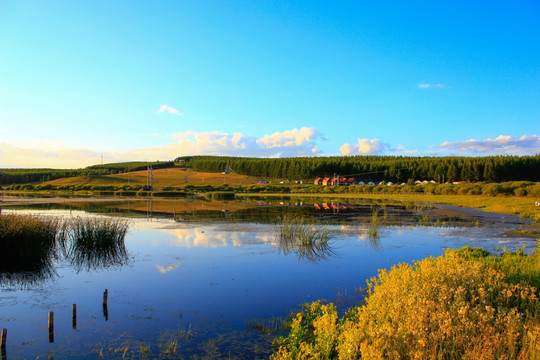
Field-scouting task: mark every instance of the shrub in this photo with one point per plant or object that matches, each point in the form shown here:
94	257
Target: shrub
450	307
533	190
445	189
491	189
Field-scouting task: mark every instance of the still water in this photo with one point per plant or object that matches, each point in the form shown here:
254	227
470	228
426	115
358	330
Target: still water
211	280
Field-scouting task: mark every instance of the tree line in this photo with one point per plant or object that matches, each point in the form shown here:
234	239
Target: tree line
377	168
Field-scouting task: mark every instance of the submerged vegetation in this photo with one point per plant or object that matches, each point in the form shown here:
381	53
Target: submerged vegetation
29	245
465	304
308	240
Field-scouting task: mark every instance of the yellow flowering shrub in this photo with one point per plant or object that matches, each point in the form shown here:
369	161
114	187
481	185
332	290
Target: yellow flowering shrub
450	307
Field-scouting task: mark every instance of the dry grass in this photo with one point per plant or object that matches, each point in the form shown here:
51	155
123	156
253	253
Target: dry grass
162	178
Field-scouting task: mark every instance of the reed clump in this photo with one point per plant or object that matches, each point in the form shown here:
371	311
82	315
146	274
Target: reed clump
450	307
97	242
309	241
27	247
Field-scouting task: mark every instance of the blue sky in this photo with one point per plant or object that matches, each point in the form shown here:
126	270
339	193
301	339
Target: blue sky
153	80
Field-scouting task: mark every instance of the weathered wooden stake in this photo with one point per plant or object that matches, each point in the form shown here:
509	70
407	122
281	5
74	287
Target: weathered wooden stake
105	308
74	315
3	344
51	326
3	339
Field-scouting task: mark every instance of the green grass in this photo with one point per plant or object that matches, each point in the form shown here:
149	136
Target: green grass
518	267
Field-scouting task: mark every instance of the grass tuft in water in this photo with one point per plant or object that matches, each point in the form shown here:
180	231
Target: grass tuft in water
373	232
97	242
309	241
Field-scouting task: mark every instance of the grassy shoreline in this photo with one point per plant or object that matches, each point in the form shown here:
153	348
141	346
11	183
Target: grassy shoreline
512	205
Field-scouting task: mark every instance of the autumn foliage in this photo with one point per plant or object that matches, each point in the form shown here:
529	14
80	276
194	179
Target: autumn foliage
449	307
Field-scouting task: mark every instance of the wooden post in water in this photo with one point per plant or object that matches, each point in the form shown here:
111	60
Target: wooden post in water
105	308
3	344
3	338
74	315
51	326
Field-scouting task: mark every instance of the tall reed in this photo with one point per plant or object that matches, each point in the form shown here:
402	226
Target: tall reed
97	242
307	240
30	244
373	231
27	247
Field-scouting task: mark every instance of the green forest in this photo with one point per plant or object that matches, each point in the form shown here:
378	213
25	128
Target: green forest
378	168
396	169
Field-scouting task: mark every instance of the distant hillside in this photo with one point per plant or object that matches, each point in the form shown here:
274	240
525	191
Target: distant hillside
24	176
162	178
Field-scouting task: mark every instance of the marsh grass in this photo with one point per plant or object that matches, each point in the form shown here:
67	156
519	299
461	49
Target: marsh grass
309	241
373	231
97	243
27	248
30	244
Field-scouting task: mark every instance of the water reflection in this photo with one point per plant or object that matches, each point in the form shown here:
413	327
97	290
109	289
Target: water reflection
26	268
215	237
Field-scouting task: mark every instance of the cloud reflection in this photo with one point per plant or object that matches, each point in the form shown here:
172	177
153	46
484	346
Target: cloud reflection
214	238
167	268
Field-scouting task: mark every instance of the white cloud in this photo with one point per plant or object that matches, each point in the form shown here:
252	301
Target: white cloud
287	143
428	86
289	138
44	154
364	147
501	145
168	109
